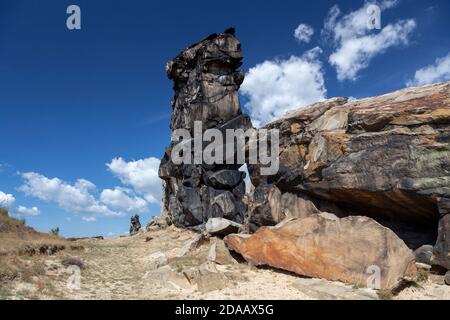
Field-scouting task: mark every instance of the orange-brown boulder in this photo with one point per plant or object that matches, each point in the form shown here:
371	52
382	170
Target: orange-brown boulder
324	246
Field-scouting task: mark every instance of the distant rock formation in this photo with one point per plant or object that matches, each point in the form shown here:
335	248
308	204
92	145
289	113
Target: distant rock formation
386	157
135	225
206	80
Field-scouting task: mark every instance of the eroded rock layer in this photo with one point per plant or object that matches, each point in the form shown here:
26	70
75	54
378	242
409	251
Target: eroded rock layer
387	157
206	79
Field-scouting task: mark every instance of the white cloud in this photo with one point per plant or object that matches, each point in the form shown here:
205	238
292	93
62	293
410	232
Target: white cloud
303	33
6	200
277	86
73	198
83	197
437	72
24	211
89	219
141	175
356	45
121	198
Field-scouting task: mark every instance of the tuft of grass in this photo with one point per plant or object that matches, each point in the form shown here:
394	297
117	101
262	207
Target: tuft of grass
384	294
5	294
14	268
422	276
23	294
357	286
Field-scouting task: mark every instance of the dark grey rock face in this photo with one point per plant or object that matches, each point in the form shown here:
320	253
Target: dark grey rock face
135	225
442	248
206	79
447	278
424	254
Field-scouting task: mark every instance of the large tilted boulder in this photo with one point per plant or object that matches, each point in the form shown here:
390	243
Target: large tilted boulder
387	157
324	246
206	80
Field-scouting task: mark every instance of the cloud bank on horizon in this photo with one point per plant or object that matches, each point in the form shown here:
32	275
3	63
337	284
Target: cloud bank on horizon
439	71
143	187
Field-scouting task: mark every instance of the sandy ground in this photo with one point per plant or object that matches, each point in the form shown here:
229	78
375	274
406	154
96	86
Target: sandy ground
125	268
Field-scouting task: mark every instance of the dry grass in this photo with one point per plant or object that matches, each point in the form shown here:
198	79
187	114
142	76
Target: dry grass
15	243
15	237
384	294
23	252
13	267
73	261
6	219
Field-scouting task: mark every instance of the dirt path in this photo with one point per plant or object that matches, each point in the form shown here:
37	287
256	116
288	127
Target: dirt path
133	268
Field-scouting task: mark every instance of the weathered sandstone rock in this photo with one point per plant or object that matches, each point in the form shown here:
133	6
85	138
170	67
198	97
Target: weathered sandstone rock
387	157
324	290
268	206
206	277
441	253
325	246
221	227
384	157
206	80
191	245
219	253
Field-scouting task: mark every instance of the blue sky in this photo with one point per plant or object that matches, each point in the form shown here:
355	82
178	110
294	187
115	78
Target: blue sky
85	113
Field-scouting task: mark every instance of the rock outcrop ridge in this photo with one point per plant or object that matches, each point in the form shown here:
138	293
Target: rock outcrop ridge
386	157
361	182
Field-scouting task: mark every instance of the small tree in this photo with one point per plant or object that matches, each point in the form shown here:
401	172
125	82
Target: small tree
55	231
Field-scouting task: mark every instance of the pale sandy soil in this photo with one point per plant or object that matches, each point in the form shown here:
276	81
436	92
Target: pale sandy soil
121	269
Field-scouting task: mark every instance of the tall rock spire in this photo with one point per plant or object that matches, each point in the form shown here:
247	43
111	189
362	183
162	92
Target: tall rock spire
206	79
